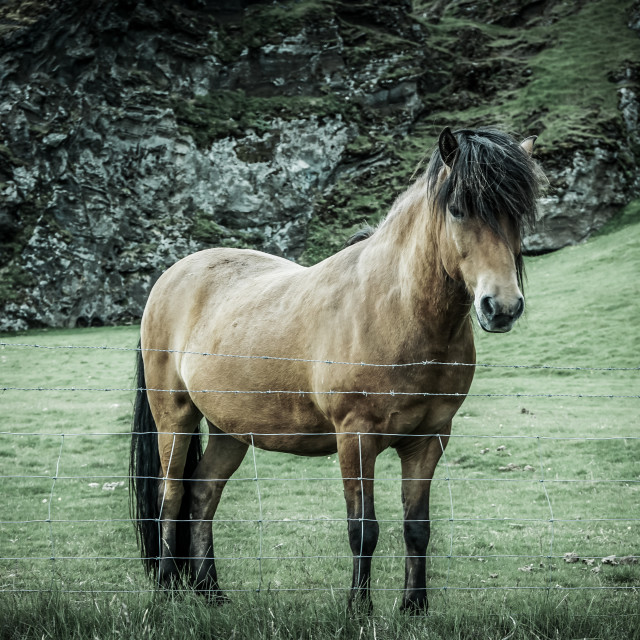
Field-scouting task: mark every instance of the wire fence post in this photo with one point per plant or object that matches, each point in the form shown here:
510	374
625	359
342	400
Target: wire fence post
165	483
260	520
451	511
361	478
551	518
49	511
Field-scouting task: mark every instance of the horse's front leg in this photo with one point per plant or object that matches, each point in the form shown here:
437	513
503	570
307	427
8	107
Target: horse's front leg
419	457
357	454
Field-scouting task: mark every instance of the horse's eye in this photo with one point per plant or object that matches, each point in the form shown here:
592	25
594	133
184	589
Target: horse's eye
456	212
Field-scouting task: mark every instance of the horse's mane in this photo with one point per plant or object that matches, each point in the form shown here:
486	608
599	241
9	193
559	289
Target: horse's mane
360	235
491	175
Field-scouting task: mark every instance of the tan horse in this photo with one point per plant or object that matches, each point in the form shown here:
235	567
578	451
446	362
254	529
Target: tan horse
402	295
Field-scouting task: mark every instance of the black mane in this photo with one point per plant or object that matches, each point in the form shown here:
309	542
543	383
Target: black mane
491	176
360	235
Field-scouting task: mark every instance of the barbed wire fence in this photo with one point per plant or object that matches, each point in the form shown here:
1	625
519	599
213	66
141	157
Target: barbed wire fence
551	520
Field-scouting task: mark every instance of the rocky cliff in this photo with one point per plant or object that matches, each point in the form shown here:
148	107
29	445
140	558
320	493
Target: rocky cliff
134	132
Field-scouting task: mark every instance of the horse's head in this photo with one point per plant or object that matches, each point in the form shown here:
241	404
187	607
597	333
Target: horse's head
485	186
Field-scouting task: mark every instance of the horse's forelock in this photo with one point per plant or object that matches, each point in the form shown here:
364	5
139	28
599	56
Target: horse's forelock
492	176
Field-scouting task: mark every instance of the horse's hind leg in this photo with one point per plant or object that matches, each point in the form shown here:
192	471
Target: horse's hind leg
221	458
176	419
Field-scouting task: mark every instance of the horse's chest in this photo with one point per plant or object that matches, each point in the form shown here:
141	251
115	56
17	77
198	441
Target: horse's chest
399	400
445	388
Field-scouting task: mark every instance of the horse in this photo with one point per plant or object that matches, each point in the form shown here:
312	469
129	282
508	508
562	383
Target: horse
355	354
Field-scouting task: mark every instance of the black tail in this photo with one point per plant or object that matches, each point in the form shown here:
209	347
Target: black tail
144	480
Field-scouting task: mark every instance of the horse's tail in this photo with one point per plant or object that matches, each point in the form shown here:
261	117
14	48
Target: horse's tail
144	480
144	470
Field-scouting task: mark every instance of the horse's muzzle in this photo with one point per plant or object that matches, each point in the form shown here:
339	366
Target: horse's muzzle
496	316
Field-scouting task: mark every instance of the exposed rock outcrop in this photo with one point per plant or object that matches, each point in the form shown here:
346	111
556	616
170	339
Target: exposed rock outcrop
134	133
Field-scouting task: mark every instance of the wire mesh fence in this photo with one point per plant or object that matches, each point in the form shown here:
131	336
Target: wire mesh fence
531	505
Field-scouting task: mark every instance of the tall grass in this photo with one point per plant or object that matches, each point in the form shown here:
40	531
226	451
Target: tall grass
273	617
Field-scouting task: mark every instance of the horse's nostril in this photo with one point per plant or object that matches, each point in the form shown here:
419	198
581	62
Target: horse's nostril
519	308
488	306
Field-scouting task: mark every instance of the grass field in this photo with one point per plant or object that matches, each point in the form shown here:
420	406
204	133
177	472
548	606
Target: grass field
525	481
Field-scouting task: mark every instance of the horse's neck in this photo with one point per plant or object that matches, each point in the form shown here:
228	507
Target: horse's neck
408	245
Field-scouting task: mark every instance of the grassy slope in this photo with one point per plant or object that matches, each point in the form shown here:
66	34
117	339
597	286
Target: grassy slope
583	306
596	284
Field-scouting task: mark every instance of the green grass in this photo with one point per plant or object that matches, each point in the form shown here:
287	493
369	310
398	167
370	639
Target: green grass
275	617
497	567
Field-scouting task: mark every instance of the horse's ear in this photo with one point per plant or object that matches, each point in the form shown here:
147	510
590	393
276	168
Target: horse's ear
527	144
448	146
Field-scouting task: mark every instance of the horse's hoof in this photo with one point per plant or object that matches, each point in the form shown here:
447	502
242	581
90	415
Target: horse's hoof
360	607
414	607
216	597
169	582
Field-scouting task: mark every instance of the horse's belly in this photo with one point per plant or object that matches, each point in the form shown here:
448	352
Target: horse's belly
285	421
298	444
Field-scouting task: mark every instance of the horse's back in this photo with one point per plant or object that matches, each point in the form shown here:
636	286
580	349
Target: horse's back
254	330
213	269
201	280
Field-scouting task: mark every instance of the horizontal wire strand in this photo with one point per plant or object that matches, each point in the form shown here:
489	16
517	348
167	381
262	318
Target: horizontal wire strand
331	589
323	433
324	361
531	479
626	560
505	519
289	392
